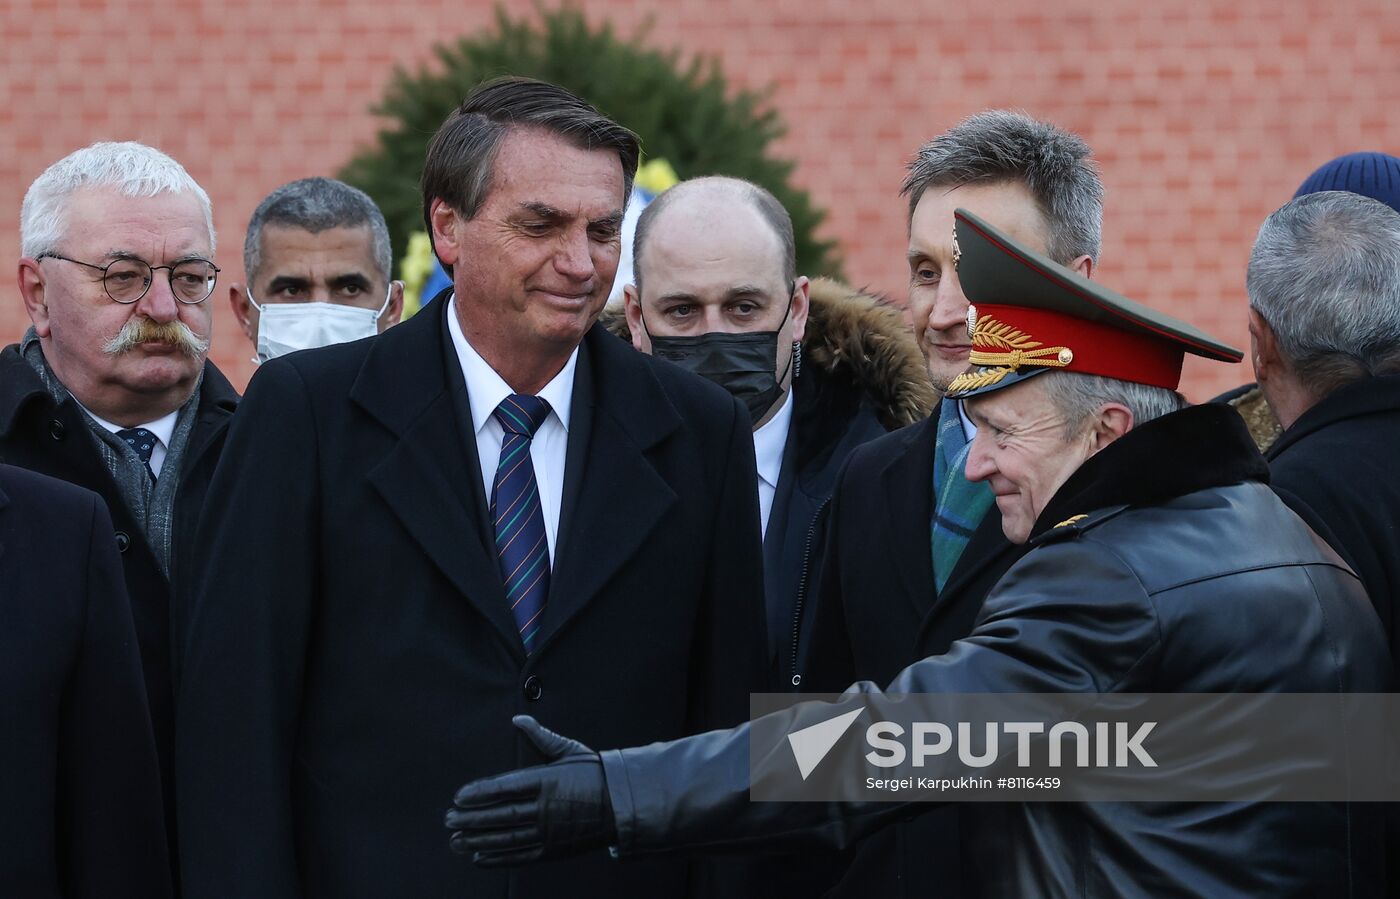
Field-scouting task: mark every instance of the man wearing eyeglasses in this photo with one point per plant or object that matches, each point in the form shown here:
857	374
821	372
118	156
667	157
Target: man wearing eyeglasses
110	388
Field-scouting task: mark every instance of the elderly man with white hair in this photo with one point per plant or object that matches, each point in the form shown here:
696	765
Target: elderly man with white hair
110	388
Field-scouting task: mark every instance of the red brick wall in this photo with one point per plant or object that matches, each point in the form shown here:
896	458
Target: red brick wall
1204	115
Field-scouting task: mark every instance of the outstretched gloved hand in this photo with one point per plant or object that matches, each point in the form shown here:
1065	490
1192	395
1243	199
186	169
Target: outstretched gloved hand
550	811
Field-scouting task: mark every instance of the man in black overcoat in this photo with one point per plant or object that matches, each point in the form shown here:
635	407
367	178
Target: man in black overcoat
111	388
912	546
1324	324
80	796
1324	321
493	507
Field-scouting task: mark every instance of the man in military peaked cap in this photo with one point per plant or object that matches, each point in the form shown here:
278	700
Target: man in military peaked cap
1144	519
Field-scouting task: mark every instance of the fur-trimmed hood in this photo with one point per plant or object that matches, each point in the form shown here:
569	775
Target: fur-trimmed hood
857	336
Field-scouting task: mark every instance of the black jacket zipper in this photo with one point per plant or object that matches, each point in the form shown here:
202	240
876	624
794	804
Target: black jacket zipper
802	590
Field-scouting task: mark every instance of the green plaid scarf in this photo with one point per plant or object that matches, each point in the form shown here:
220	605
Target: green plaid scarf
959	504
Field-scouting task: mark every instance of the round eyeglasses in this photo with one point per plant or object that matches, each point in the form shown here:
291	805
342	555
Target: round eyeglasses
127	279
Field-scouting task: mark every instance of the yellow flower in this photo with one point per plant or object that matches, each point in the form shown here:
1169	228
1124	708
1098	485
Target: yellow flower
415	267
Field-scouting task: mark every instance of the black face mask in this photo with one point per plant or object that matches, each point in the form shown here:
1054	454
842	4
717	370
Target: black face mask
740	363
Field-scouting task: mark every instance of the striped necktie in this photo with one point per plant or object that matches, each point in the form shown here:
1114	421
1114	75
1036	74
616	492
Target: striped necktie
521	550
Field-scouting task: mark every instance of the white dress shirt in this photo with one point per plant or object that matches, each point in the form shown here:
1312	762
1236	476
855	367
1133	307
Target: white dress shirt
768	444
969	429
163	428
486	389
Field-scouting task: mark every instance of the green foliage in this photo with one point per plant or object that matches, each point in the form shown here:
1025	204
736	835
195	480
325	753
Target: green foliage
683	112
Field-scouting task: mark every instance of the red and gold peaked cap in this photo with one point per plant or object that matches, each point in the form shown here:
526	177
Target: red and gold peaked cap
1031	315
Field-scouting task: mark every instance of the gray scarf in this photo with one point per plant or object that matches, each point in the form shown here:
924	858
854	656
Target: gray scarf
151	503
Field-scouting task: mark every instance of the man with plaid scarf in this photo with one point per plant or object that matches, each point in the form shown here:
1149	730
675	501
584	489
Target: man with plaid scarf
912	546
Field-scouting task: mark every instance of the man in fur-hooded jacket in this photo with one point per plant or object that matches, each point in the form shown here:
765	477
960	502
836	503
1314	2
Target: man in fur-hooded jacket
822	368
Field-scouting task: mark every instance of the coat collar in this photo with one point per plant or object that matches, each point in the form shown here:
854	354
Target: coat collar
1194	449
20	386
217	402
216	393
1369	396
412	354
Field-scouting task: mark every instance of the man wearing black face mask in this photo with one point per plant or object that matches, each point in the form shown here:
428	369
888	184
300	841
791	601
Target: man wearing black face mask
821	368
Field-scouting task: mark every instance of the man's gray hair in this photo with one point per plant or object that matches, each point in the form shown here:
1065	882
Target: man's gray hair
762	201
316	205
132	169
1325	276
1076	396
999	145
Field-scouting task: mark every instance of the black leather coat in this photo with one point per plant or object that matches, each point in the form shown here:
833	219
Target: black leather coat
1186	574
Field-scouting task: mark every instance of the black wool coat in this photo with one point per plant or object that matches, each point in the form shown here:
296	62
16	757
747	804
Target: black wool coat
80	793
38	434
1338	467
353	660
861	375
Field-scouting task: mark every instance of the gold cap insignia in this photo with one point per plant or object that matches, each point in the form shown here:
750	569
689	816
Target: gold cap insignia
999	350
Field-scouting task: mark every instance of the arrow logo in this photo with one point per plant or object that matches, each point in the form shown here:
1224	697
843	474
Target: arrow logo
811	744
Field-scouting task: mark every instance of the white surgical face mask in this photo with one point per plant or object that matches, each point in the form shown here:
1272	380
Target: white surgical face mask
287	327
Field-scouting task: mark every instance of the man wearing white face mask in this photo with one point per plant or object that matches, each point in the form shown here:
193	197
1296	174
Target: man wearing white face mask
317	259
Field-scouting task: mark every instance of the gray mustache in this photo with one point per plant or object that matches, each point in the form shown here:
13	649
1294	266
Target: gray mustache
142	330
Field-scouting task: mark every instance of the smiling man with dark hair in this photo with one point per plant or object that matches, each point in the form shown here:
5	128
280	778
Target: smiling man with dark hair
496	506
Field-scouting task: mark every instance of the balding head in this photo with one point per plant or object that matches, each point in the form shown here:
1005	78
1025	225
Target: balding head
715	255
717	200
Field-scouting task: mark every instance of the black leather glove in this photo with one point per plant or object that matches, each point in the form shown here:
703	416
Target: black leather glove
533	814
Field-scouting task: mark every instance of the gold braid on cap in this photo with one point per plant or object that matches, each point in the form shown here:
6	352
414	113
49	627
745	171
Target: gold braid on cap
1013	350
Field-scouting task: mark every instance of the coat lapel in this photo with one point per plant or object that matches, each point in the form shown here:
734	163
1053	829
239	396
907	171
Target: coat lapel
217	402
613	495
430	478
907	483
986	545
